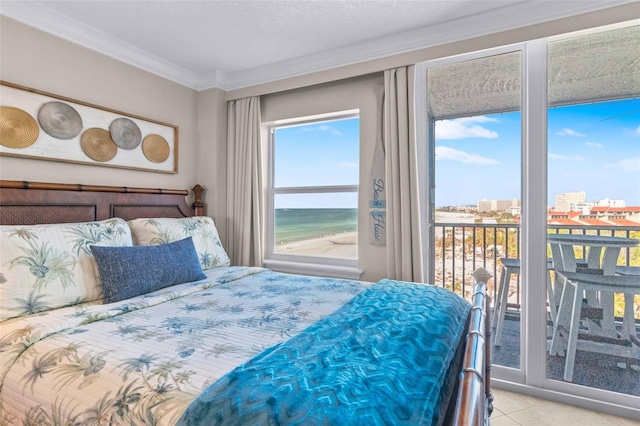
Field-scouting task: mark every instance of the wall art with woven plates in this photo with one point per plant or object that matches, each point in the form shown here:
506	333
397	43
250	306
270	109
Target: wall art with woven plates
40	125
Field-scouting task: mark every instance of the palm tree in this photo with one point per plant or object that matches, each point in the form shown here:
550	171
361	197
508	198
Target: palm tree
37	416
87	368
89	234
46	264
101	414
138	365
62	413
23	233
125	397
16	335
207	260
33	304
161	235
221	349
191	225
41	365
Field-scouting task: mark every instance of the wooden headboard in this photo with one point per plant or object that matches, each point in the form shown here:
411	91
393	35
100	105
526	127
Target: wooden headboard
30	203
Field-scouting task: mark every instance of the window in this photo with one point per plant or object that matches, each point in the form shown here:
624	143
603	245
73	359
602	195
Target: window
577	152
477	129
313	191
593	170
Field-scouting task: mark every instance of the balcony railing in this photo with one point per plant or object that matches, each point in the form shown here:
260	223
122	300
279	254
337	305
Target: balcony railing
460	248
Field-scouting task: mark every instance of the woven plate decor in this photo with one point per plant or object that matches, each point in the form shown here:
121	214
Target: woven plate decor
60	120
98	145
17	128
125	133
155	148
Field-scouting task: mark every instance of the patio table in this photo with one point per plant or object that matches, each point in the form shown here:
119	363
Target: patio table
602	256
563	254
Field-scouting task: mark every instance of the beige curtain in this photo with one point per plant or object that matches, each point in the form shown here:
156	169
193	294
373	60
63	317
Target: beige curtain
404	252
244	194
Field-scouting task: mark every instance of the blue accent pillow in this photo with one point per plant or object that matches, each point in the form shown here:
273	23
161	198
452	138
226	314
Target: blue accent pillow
126	272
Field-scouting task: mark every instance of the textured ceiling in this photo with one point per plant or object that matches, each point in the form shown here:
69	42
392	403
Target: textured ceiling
232	44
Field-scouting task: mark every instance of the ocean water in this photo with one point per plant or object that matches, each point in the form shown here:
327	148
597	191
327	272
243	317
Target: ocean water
304	224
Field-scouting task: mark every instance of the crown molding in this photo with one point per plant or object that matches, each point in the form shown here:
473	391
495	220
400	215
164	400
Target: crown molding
59	25
515	15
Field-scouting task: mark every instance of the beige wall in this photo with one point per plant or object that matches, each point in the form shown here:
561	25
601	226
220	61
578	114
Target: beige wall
32	58
356	93
35	59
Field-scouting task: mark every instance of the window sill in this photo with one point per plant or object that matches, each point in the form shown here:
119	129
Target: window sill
315	269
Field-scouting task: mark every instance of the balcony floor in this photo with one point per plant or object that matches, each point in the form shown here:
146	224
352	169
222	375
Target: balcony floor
591	369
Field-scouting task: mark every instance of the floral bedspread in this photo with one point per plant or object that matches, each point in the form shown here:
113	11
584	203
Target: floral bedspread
143	360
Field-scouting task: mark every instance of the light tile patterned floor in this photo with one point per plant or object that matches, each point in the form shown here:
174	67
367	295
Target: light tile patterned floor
513	409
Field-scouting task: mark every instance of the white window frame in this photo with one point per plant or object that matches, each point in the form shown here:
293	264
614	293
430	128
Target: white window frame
531	377
303	264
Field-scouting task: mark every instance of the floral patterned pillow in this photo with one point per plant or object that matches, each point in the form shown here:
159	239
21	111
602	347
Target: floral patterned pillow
166	230
45	267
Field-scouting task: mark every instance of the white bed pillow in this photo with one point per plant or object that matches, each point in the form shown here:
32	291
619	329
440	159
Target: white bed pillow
202	229
45	267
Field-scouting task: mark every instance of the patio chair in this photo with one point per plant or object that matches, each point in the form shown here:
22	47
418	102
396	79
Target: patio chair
580	282
628	270
512	266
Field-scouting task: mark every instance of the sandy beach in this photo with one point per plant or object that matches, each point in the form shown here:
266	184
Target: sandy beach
338	245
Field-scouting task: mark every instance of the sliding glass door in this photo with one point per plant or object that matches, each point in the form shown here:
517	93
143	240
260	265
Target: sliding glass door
521	145
475	124
593	197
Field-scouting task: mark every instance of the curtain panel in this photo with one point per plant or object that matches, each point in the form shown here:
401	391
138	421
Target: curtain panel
244	176
403	226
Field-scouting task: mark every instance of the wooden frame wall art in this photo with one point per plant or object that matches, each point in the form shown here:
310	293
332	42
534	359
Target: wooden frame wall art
40	125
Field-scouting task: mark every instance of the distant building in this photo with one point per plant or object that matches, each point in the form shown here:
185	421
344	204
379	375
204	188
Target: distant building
624	216
485	206
572	209
584	208
570	202
598	216
609	203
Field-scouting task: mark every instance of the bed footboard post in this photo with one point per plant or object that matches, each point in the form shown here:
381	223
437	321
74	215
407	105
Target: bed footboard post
487	353
474	399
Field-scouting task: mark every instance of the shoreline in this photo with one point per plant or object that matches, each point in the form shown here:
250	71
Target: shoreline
343	245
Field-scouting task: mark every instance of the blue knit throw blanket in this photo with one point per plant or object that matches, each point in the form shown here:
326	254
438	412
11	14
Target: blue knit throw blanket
381	359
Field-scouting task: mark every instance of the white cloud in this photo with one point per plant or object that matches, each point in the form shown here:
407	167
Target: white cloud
322	128
594	144
462	128
626	165
575	157
570	132
477	119
633	132
446	153
349	165
329	129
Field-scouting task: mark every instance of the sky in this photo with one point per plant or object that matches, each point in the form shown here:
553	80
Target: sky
318	154
592	147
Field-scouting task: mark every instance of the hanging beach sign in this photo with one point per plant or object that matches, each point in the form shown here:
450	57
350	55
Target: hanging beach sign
377	191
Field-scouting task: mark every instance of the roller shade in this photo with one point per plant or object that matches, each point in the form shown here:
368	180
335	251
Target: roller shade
591	68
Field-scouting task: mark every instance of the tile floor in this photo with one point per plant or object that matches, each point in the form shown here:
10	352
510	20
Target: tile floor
513	409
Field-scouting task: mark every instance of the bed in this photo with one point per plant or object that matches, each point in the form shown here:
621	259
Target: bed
119	306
